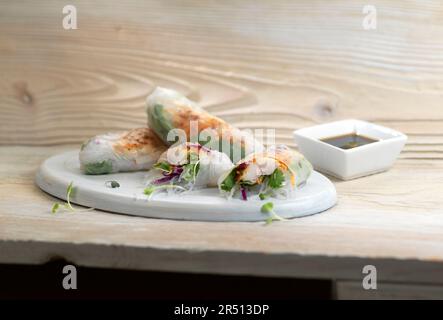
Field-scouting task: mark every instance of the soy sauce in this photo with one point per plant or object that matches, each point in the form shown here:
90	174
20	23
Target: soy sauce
348	141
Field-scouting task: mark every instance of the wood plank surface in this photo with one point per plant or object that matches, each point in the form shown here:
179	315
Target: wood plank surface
384	220
281	65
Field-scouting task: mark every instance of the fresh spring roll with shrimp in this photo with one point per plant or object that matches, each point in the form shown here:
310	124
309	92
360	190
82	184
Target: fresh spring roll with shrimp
185	167
168	110
133	150
273	173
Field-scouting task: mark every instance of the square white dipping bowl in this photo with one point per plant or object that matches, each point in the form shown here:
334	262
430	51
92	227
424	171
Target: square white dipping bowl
350	163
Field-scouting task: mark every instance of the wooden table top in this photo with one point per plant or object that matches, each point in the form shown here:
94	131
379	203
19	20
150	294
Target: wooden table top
285	66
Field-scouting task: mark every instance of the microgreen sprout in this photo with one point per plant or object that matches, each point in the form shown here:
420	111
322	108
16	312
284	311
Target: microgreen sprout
268	208
190	171
55	207
149	191
196	169
67	206
112	184
69	191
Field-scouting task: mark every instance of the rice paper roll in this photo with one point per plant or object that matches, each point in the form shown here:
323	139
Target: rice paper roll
168	110
277	172
134	150
186	167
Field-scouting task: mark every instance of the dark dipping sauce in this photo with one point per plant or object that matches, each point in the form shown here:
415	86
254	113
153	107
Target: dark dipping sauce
348	141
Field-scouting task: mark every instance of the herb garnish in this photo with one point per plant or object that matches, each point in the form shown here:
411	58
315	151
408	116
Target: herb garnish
55	207
276	179
190	171
268	208
66	205
69	191
112	184
263	196
151	189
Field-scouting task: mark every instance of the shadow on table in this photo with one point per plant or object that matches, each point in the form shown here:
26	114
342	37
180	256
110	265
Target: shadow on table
45	281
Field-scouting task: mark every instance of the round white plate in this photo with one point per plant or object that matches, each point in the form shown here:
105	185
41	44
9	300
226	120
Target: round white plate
55	174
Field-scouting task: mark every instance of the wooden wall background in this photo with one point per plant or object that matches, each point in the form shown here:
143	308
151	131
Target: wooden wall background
259	64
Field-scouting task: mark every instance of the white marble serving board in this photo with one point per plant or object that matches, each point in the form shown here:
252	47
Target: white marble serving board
55	174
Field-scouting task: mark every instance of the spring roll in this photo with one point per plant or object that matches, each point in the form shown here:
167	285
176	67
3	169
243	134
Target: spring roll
133	150
186	167
168	110
276	173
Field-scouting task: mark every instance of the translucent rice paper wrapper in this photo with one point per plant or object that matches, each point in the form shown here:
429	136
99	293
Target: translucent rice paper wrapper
267	162
212	165
299	165
132	150
173	116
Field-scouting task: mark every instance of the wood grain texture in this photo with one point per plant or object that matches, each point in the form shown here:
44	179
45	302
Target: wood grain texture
293	63
281	65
